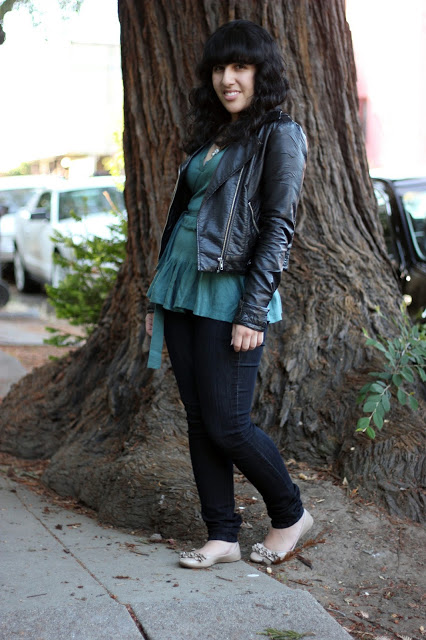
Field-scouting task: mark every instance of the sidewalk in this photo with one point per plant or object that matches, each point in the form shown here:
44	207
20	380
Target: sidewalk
11	370
23	321
63	576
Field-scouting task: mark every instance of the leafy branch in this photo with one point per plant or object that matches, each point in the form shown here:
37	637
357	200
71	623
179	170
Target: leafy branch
405	361
90	267
6	6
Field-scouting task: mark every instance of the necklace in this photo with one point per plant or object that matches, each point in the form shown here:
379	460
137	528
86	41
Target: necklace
215	151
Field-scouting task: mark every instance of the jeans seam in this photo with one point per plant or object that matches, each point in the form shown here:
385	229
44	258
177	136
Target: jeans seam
238	383
269	463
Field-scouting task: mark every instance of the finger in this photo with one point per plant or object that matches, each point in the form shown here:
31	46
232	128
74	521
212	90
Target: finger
253	341
237	340
246	342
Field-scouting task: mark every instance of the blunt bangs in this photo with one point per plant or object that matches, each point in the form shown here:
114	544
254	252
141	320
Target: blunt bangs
237	41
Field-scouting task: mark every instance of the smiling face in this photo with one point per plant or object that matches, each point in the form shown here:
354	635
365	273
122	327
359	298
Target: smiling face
234	86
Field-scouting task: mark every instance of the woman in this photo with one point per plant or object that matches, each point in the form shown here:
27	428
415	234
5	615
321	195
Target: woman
225	244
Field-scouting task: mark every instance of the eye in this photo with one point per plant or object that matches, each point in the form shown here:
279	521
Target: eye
240	65
217	68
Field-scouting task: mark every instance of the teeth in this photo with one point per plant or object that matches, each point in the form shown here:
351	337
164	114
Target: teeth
231	93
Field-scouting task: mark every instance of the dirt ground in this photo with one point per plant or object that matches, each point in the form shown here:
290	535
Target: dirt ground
366	568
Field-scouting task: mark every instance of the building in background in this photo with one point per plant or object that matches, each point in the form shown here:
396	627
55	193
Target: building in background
90	101
62	95
389	39
62	87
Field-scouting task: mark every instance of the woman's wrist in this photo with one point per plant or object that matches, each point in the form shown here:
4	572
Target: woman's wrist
251	316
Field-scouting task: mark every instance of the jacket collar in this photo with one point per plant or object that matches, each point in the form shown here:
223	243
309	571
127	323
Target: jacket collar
236	155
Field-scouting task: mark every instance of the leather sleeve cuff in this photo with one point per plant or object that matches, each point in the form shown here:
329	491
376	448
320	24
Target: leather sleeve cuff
250	316
151	307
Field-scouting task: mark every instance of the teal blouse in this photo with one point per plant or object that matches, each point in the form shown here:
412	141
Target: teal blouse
178	285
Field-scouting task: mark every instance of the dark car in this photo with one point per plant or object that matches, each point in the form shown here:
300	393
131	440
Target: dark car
402	211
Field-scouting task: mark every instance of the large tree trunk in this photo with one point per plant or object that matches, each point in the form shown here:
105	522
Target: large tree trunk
114	430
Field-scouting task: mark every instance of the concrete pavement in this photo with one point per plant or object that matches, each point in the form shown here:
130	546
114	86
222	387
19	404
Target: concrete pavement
63	575
23	320
20	324
11	370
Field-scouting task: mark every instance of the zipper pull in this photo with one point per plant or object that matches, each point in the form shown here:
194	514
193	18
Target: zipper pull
220	265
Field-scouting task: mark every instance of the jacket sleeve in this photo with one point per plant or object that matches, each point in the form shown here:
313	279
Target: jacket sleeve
281	184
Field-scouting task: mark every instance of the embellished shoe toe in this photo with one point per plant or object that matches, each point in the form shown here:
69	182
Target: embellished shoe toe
262	554
196	560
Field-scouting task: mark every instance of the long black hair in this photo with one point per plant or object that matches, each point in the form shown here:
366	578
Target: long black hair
245	42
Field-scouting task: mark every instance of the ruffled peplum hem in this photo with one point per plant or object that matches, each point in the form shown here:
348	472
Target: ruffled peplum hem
179	286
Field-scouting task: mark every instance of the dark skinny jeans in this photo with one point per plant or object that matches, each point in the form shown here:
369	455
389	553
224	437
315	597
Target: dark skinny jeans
216	385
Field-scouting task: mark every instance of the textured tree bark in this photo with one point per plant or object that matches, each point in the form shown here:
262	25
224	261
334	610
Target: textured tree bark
114	430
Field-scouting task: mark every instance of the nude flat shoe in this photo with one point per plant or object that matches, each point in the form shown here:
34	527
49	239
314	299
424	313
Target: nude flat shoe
262	554
195	560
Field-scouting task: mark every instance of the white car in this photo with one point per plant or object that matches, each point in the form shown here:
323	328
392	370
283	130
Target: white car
52	209
15	192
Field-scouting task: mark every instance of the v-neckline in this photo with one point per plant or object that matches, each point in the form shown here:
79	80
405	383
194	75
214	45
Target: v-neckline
205	162
214	154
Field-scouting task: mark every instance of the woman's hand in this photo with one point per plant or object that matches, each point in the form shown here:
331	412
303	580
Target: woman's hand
149	322
245	339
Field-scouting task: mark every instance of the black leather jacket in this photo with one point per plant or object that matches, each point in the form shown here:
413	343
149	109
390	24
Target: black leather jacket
246	220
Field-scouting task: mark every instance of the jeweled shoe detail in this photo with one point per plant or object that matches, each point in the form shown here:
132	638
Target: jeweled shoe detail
196	560
262	554
193	554
273	556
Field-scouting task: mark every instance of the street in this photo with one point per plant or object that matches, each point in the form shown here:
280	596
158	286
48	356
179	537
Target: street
23	323
24	319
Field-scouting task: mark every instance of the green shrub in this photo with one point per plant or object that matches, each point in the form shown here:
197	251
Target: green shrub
405	360
90	276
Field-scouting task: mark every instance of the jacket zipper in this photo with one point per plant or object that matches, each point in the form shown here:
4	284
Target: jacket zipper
252	217
228	225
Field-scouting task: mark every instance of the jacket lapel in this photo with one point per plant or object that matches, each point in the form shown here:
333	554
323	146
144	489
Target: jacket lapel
235	157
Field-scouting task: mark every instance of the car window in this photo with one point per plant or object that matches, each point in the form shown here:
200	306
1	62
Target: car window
14	199
414	202
385	215
44	202
83	202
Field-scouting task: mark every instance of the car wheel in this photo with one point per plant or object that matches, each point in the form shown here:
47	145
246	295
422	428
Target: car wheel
23	281
58	274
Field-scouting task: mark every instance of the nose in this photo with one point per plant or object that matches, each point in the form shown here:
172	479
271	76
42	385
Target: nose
228	77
